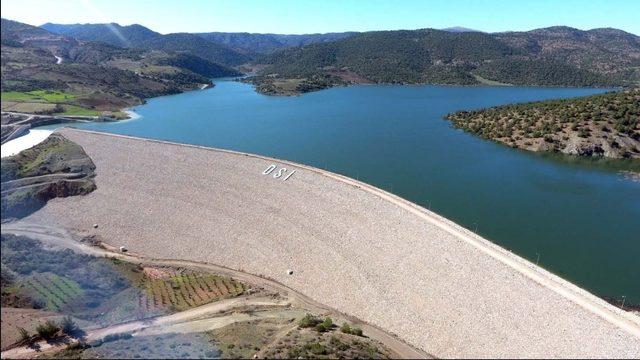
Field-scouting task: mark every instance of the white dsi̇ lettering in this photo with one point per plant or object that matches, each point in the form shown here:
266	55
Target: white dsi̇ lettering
279	173
269	169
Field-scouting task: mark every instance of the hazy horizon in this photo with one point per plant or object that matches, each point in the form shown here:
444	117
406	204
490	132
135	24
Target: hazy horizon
328	32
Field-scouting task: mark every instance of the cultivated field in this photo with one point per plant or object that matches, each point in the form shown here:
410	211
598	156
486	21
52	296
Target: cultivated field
184	290
44	102
350	246
56	291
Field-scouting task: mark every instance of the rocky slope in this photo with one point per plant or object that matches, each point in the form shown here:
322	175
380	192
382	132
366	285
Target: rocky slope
56	167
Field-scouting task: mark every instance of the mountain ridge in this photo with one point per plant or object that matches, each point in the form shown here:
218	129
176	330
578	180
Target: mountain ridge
139	36
556	56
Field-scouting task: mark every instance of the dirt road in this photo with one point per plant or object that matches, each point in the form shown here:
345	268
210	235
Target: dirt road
63	238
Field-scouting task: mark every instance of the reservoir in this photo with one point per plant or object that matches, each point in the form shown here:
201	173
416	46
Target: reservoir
578	219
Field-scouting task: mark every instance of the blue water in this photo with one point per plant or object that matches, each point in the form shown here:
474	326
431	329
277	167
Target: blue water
580	219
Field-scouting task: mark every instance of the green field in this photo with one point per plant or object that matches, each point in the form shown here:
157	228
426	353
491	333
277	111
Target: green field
42	101
54	291
37	95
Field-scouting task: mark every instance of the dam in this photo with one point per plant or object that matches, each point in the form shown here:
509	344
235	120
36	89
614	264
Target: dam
356	248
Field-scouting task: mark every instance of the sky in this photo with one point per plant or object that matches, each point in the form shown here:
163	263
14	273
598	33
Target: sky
306	16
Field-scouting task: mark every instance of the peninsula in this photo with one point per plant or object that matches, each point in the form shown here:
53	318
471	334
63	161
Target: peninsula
606	125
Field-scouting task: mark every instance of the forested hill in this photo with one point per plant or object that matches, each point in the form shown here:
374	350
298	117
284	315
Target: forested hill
138	36
551	57
266	43
113	34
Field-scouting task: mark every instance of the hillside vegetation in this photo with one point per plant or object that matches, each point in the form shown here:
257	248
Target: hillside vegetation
544	57
606	125
267	43
99	76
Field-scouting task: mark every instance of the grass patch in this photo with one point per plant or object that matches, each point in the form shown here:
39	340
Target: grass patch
36	157
17	96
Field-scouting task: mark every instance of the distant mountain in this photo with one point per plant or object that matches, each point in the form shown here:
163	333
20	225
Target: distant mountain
114	34
459	29
198	46
558	56
138	36
393	56
266	43
609	51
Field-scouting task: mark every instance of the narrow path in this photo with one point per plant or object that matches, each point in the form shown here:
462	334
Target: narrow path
187	316
188	321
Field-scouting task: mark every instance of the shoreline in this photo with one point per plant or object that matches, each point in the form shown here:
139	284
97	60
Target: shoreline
396	242
255	85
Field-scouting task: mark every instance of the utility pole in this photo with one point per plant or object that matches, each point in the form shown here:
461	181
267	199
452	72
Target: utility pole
538	258
623	299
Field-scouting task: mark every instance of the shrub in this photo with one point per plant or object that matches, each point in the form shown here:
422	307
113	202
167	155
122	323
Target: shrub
69	326
346	328
25	337
316	348
351	330
47	330
326	325
356	331
114	337
308	321
334	341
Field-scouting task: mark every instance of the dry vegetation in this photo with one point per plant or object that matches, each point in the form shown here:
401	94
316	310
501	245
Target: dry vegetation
294	338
